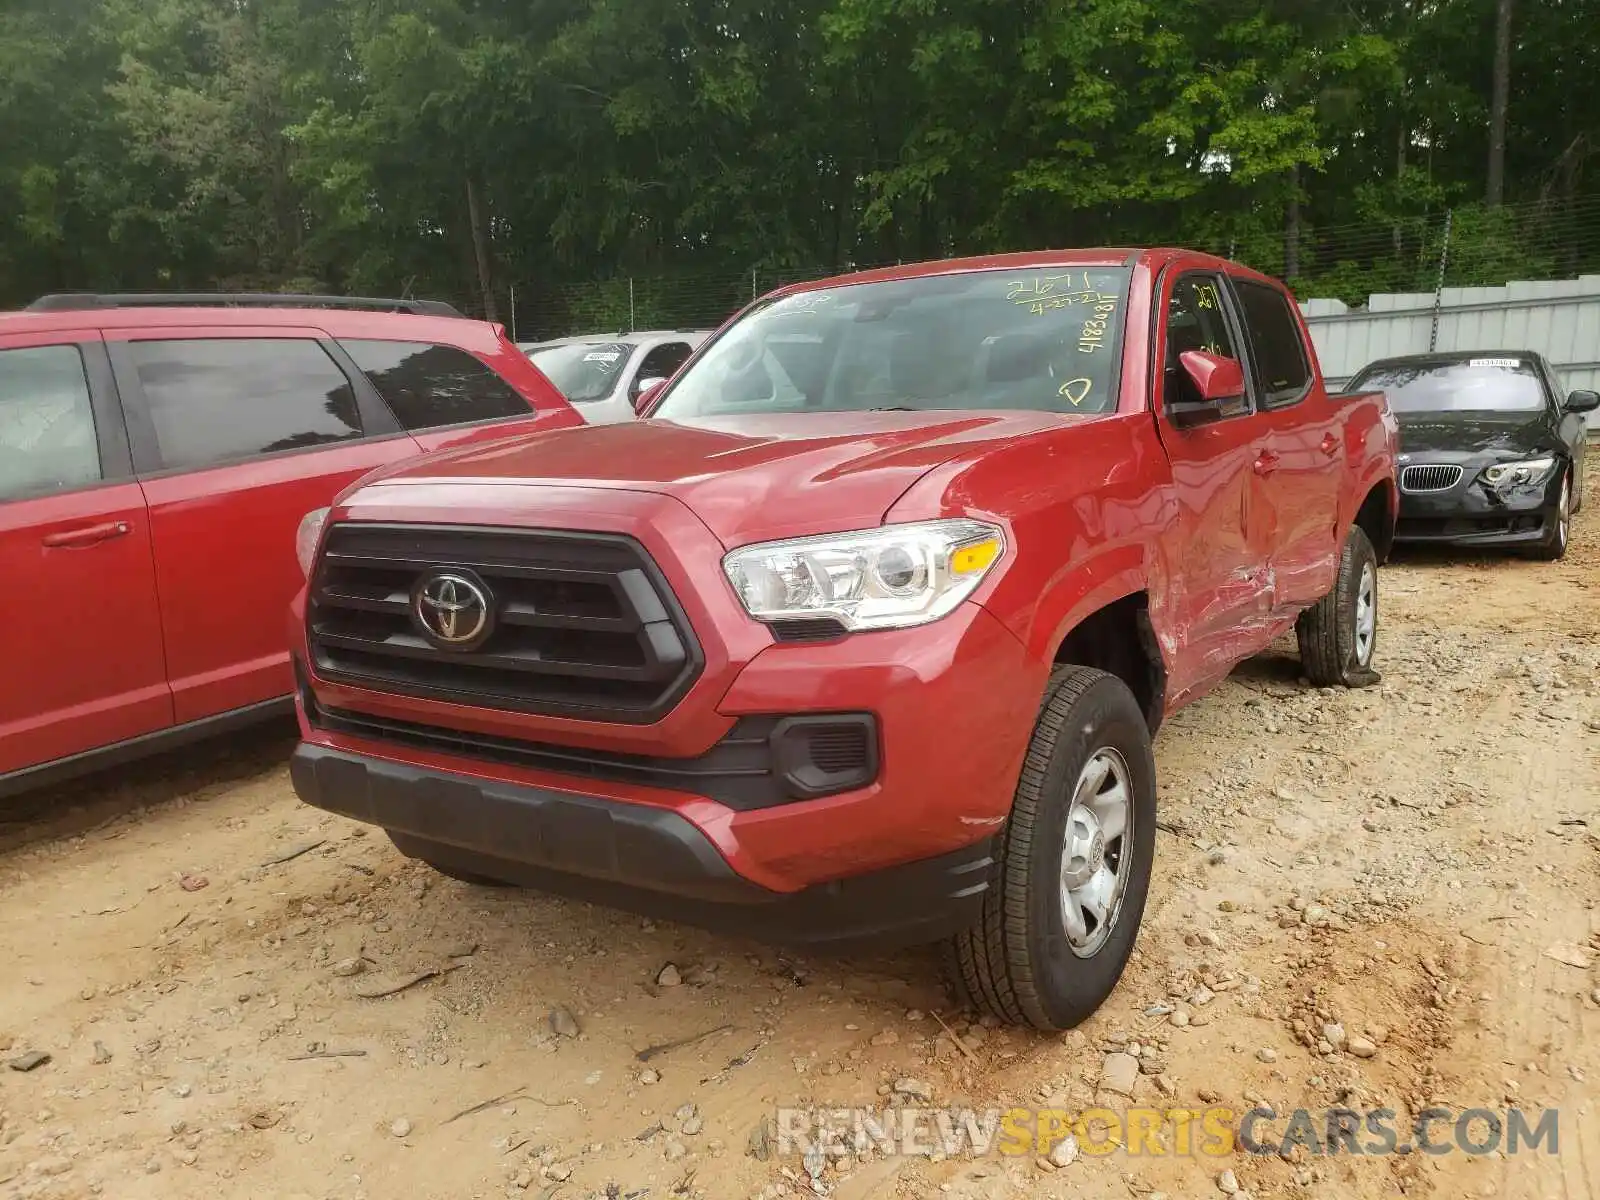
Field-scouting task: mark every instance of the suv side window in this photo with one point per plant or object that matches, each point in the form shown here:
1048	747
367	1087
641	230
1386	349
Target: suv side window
1196	320
47	432
217	400
662	362
1283	376
427	385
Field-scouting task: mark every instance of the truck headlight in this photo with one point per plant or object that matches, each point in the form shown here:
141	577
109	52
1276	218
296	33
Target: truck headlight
307	537
1526	473
888	578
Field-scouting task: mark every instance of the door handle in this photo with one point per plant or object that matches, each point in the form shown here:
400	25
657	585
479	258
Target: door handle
89	535
1329	445
1266	463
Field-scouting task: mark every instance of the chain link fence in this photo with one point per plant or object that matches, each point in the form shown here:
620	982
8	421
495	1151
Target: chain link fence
1464	247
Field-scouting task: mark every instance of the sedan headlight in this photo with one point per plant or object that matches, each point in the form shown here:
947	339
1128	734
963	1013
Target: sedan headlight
1519	474
889	578
307	537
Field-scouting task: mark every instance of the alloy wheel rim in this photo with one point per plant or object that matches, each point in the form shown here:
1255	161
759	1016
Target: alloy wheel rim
1096	853
1366	614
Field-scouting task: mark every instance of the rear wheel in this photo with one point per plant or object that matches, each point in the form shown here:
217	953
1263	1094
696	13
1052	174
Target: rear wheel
1060	921
1338	635
1554	547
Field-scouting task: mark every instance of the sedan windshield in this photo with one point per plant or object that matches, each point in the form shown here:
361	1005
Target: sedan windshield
1046	340
1470	385
585	371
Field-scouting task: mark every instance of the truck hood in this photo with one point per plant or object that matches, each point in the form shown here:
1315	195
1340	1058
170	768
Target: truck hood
748	478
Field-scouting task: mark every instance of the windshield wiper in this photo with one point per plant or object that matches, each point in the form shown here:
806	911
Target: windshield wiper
895	408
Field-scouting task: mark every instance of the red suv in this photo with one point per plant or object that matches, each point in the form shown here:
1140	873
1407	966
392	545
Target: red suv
156	456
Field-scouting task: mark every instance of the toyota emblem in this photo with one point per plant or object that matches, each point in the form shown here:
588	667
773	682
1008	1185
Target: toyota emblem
452	609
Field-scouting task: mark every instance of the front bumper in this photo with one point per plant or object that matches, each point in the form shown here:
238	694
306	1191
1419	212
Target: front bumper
1473	514
650	860
905	858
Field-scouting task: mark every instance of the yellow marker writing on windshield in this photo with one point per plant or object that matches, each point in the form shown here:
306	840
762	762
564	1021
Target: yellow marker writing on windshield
1076	390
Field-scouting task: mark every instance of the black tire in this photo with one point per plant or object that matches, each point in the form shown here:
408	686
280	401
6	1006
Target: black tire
417	849
1332	651
1554	548
1017	963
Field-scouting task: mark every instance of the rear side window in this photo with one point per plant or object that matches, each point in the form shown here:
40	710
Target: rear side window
215	400
47	436
426	385
1282	373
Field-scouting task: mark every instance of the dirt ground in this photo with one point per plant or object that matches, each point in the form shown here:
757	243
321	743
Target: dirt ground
1417	863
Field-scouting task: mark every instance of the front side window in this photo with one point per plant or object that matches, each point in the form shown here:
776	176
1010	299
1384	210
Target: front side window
1195	321
1282	373
216	400
47	435
427	385
1044	340
1486	384
663	362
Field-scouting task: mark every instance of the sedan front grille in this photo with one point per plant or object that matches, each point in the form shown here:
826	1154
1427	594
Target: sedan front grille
1430	477
575	624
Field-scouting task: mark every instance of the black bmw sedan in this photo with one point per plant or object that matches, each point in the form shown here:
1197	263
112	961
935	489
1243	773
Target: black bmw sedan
1491	451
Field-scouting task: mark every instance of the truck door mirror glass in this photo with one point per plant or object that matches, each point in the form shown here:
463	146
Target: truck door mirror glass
1583	401
1218	388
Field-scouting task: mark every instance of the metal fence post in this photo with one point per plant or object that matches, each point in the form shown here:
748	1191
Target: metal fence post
633	320
1438	288
513	312
755	291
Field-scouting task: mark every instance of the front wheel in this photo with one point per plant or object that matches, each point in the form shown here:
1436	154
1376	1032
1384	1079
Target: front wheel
1554	547
1059	922
1338	635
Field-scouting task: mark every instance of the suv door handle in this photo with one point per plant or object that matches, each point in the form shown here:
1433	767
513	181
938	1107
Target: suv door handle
89	535
1329	445
1266	463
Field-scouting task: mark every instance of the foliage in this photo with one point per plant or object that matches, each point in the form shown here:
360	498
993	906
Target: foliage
435	146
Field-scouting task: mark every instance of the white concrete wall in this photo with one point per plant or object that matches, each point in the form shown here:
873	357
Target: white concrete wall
1559	319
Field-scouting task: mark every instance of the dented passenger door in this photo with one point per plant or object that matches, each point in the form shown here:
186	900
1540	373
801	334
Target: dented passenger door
1222	568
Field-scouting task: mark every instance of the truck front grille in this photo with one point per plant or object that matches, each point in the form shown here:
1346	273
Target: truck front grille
561	623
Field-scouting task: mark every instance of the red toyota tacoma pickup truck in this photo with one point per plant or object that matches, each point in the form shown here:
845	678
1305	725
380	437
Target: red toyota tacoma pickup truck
862	635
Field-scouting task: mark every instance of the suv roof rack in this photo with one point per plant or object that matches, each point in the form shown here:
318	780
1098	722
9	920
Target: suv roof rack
75	301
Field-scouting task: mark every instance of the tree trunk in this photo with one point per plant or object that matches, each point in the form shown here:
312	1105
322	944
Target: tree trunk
1496	192
1400	140
1291	228
480	251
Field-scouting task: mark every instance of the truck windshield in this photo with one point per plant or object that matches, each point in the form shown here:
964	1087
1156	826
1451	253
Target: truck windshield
1468	385
583	372
1046	339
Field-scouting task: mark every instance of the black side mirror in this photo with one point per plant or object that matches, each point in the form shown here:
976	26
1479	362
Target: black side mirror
1583	401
